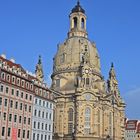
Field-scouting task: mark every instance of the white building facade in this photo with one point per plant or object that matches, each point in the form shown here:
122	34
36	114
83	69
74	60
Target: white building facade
42	119
131	130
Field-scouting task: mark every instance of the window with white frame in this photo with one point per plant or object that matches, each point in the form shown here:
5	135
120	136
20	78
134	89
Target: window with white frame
87	120
70	121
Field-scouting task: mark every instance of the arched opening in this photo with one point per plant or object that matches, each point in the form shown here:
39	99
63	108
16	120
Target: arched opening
82	23
70	121
75	22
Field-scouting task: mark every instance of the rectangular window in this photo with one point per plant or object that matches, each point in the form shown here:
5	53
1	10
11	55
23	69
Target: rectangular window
20	106
5	102
34	124
47	104
50	105
29	108
24	120
0	100
38	125
37	136
21	94
42	126
46	115
20	119
46	127
35	113
12	91
23	134
18	133
11	103
50	116
42	114
4	116
39	113
49	137
16	105
29	121
15	118
39	102
17	93
35	101
13	79
41	136
30	97
43	103
25	107
7	89
1	88
3	131
9	132
28	134
10	117
34	136
49	127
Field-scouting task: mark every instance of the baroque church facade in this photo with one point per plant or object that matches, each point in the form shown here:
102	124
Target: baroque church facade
88	107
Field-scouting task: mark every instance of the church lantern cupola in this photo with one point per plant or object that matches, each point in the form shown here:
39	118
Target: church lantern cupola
77	22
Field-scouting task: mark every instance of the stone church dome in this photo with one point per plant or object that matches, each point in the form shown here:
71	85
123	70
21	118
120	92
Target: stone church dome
74	52
77	62
76	49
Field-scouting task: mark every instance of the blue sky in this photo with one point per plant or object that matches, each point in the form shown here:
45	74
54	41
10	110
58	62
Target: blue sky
29	28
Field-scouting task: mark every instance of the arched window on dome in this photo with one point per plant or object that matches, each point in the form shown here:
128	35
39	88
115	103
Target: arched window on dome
87	120
75	22
82	23
70	121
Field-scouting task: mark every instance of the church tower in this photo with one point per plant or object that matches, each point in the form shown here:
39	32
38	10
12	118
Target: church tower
84	109
39	70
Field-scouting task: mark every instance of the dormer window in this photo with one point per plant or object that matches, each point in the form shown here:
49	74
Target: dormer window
57	82
62	58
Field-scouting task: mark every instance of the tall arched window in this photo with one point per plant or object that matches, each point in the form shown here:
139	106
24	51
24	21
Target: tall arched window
82	23
70	121
110	124
98	122
87	120
75	22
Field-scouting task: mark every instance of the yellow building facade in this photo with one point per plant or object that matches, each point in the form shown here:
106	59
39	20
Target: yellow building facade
88	107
